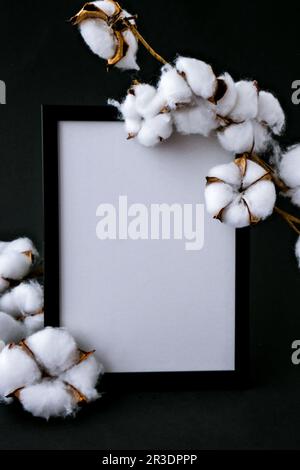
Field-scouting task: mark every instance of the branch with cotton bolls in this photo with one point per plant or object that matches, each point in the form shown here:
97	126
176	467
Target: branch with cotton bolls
22	301
48	374
190	98
41	367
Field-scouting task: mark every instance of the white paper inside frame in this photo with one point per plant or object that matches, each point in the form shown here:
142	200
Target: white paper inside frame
150	304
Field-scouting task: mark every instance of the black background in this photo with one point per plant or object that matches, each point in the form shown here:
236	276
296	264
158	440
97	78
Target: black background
43	60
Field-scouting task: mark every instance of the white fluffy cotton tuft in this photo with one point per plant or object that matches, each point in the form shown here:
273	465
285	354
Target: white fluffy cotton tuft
246	105
11	330
54	349
270	112
228	100
199	76
289	167
25	299
49	398
84	377
17	369
199	118
237	138
173	88
155	130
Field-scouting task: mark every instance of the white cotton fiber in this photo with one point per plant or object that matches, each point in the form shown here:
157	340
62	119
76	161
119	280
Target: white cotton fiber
128	107
252	174
11	330
25	299
261	136
155	129
289	167
99	37
261	198
246	105
237	138
199	118
217	196
133	126
17	369
14	265
49	398
228	100
21	245
144	94
236	214
129	60
173	87
84	377
270	112
199	76
54	349
33	323
228	172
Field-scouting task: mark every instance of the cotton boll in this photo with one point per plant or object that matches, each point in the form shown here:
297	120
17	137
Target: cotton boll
246	105
218	196
270	112
17	369
199	76
237	138
261	136
14	265
49	398
129	60
173	87
84	377
155	129
54	349
11	330
236	214
252	174
261	198
33	323
289	167
197	119
228	100
25	299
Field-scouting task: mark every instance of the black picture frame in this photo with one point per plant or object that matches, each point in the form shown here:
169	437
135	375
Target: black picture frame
239	377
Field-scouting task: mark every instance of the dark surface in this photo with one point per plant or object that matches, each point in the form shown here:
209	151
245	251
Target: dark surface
43	60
